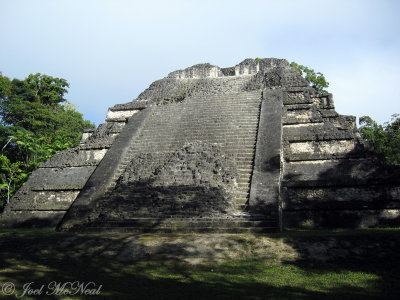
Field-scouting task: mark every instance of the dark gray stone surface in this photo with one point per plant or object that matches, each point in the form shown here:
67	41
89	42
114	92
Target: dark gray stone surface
357	218
265	183
76	157
46	200
197	181
340	197
109	169
60	178
342	172
316	132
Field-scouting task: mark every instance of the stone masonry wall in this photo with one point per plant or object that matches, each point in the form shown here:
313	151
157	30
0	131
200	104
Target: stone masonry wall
330	178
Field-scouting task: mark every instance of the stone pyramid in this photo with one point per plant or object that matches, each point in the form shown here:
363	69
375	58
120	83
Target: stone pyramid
252	147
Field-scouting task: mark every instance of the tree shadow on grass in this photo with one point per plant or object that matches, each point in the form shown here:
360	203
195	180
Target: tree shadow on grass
65	257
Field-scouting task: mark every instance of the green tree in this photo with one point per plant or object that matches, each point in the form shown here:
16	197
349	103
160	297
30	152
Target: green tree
385	138
12	176
36	122
316	79
46	89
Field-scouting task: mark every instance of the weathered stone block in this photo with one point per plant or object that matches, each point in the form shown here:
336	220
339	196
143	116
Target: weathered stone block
86	134
338	198
323	101
297	98
331	172
301	116
73	178
328	113
344	122
197	71
315	132
317	150
43	200
120	115
76	157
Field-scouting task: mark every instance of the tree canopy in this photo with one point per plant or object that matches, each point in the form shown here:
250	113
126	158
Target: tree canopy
36	122
316	79
385	138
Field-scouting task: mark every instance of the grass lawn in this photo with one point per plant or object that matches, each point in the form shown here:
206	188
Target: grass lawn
357	264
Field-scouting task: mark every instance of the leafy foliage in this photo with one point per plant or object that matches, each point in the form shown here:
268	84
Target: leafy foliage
385	138
316	79
36	122
11	177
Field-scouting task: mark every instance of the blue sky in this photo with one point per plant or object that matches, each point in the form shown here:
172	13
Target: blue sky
110	51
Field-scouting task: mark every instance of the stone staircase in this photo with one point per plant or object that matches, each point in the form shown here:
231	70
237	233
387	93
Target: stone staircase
229	120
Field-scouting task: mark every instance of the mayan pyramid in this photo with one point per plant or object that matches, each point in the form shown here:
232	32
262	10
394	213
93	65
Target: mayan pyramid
251	147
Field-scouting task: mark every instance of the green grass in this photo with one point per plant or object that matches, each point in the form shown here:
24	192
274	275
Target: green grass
369	273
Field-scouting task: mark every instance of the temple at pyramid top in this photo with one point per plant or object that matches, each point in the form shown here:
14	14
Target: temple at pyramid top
250	147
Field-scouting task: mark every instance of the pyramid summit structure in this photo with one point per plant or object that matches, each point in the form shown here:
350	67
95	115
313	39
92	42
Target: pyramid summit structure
251	147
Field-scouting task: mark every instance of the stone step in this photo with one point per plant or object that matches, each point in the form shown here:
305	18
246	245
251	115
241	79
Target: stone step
244	165
235	109
167	147
241	196
245	158
244	179
243	206
242	188
231	98
215	114
246	149
240	202
224	100
186	225
190	103
244	171
243	95
243	185
241	193
182	230
248	163
250	143
217	135
245	154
